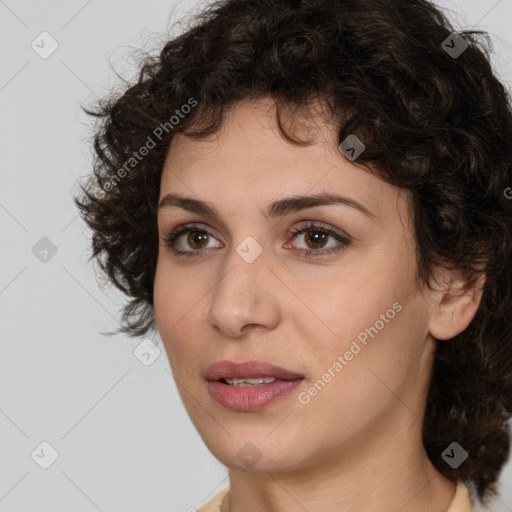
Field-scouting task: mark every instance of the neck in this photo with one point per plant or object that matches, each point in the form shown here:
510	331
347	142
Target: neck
366	478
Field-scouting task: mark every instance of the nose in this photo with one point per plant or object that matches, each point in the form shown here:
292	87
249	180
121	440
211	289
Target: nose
246	296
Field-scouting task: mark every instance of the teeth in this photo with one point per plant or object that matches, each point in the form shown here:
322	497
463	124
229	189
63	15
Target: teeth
243	383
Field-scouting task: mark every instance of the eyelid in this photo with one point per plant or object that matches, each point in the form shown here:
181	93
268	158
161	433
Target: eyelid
323	225
343	238
302	223
185	228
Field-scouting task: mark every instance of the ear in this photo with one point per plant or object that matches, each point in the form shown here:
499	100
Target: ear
456	303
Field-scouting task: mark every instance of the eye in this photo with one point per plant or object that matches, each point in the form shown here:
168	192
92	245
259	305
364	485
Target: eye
197	236
315	239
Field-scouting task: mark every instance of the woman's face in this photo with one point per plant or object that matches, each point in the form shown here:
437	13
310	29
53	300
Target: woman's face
348	319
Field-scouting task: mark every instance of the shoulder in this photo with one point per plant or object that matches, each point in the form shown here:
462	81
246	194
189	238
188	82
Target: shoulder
215	503
461	501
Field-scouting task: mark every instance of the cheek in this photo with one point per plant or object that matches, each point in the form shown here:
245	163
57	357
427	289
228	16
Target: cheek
174	295
352	301
354	383
178	300
161	296
168	300
375	321
382	355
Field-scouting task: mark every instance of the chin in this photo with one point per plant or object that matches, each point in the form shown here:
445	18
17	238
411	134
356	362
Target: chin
255	453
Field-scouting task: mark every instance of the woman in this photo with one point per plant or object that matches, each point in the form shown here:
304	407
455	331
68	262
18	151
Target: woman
307	199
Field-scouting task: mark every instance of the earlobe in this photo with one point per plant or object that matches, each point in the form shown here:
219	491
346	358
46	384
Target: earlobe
456	305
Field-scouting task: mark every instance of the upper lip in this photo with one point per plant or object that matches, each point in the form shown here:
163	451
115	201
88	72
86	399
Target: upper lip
250	369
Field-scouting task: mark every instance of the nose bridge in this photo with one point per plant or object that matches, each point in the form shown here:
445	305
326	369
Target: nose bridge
245	267
242	296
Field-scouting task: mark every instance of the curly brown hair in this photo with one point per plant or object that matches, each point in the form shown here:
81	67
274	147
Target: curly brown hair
436	123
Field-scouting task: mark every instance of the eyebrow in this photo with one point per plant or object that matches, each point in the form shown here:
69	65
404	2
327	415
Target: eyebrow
278	208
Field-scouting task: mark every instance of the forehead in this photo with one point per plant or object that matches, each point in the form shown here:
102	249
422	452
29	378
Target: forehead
249	160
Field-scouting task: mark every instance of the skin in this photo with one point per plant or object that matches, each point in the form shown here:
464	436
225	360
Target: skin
356	446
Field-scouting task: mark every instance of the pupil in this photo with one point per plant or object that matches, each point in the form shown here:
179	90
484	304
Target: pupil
194	236
320	235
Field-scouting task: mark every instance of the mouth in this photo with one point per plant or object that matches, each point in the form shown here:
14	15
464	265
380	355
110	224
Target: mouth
248	382
249	386
252	373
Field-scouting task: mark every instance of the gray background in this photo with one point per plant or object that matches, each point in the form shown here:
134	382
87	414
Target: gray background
123	439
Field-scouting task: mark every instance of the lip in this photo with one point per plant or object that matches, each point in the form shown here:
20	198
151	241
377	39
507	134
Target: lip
249	369
249	398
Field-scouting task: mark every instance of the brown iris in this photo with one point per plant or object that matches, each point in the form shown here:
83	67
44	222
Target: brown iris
320	238
194	237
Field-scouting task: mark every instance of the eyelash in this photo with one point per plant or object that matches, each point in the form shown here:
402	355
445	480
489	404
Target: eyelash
308	253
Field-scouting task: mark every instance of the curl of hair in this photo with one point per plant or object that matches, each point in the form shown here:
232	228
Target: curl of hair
437	126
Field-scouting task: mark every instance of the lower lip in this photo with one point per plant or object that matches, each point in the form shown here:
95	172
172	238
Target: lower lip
250	398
